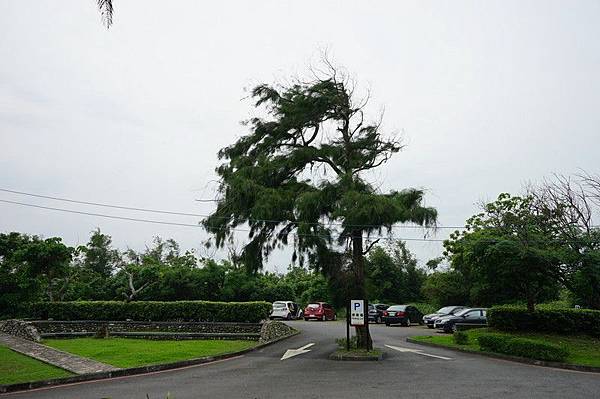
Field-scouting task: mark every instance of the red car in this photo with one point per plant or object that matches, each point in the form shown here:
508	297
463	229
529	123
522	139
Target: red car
319	311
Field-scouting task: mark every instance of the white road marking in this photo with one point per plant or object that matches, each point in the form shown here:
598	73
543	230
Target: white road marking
417	351
295	352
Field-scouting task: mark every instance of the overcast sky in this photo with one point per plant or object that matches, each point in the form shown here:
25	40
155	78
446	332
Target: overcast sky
488	95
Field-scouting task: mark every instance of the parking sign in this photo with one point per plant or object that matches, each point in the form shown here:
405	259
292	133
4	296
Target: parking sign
357	312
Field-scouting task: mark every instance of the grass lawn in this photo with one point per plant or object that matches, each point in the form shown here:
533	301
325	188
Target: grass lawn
583	350
130	352
15	368
359	352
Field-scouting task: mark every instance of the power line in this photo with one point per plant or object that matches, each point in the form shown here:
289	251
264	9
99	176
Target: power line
105	205
190	224
129	208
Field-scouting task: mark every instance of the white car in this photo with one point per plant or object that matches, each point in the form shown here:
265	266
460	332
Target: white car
287	310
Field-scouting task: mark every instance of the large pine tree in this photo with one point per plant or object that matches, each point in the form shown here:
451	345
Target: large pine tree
299	174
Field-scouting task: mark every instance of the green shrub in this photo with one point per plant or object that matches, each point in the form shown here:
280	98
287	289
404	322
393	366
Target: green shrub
522	347
424	308
561	321
251	312
341	342
461	338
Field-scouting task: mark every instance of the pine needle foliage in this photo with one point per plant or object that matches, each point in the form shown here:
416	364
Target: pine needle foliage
298	178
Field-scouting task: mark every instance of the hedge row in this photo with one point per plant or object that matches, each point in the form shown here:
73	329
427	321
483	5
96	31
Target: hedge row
562	321
249	312
522	347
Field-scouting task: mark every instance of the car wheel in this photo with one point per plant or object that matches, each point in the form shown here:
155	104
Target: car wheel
289	316
378	320
306	319
387	324
428	326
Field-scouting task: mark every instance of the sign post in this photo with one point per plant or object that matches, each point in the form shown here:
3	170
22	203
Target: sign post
359	316
348	326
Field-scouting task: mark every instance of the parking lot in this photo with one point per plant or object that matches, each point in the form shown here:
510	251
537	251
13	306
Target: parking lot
408	371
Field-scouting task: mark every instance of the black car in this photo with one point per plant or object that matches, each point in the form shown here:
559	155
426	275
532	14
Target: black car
428	319
474	316
402	314
376	312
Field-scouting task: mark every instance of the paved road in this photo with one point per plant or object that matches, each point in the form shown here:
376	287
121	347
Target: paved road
261	374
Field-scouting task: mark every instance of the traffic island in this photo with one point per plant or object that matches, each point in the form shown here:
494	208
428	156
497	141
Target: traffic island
358	355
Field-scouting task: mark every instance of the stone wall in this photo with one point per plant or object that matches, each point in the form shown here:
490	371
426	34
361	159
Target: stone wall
92	326
272	330
20	328
148	330
34	330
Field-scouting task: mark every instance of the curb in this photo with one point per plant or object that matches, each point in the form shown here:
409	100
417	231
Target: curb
135	370
533	362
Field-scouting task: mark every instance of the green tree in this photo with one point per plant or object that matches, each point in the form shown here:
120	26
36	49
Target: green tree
445	288
394	275
300	173
509	251
573	202
99	256
17	286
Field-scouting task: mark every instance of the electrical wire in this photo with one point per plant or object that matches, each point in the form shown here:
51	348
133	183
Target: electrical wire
190	224
105	205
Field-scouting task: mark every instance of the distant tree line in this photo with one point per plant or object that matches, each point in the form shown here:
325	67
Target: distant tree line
537	247
38	269
45	269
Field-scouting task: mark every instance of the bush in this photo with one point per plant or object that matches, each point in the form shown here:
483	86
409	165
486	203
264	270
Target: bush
522	347
561	321
461	338
341	342
251	312
424	308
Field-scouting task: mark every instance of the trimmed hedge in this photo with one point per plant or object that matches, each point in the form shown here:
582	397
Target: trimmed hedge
523	347
248	312
561	321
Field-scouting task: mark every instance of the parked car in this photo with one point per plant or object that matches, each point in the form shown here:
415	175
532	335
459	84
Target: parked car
376	312
402	314
287	310
428	319
319	311
474	316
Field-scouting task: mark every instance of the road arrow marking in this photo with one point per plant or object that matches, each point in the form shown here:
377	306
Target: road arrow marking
295	352
417	351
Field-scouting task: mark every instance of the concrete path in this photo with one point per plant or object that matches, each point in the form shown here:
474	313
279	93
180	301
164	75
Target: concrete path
64	360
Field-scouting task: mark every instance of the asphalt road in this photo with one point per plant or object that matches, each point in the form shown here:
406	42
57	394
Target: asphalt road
261	374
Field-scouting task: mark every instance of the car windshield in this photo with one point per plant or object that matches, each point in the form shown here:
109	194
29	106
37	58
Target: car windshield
279	305
314	305
446	310
462	312
397	307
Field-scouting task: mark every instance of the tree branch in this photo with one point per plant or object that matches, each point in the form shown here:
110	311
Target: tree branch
370	246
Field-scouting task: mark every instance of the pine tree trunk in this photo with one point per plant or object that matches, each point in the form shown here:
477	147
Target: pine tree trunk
358	266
